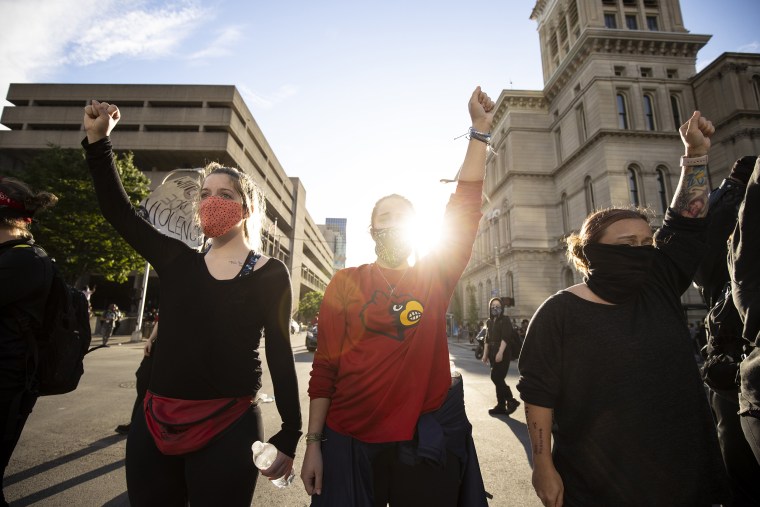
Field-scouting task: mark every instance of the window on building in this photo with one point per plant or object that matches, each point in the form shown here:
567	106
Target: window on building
588	188
573	15
675	107
565	213
633	185
489	289
558	143
481	303
580	116
662	190
610	20
510	284
619	70
649	111
650	4
646	71
609	2
567	277
672	73
629	3
505	224
577	89
652	23
622	111
554	47
630	22
756	88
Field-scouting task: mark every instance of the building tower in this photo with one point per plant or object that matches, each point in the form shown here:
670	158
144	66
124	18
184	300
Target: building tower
620	77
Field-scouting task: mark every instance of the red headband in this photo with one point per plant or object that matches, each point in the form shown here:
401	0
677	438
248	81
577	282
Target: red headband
7	202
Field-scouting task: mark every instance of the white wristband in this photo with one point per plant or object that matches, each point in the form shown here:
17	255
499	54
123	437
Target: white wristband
693	161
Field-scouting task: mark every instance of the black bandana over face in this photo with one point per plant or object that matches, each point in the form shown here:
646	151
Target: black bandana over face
392	245
617	272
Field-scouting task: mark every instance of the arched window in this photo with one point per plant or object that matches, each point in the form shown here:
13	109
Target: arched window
489	289
662	190
565	213
505	217
588	187
633	185
622	111
480	298
675	106
567	277
510	284
649	111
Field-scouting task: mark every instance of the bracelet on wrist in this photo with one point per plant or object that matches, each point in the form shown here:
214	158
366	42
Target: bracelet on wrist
314	437
693	161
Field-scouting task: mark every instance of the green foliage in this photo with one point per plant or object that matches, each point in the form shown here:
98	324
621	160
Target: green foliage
456	307
309	305
74	231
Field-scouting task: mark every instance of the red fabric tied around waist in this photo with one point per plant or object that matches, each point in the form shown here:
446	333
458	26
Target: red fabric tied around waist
183	426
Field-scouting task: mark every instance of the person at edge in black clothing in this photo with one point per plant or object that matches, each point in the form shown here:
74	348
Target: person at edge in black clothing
744	267
143	378
24	289
610	363
725	346
497	352
214	307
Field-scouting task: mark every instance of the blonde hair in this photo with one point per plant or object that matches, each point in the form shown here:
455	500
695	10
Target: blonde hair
254	202
593	228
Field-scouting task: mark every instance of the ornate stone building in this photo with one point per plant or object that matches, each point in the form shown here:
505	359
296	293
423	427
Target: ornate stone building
620	77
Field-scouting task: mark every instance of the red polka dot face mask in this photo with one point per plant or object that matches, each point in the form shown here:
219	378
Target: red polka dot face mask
219	215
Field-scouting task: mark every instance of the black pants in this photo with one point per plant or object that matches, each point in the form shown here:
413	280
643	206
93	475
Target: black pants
391	482
498	375
13	417
222	473
751	428
743	470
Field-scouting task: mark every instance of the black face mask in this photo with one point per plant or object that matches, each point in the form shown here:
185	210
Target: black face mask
617	272
496	311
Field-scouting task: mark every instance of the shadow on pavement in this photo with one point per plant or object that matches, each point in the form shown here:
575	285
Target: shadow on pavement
62	460
120	501
74	481
520	430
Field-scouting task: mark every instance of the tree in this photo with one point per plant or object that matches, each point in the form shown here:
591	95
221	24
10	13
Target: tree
456	307
309	305
74	232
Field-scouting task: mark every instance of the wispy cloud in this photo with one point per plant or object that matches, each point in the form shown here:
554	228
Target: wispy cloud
267	101
38	37
222	45
752	47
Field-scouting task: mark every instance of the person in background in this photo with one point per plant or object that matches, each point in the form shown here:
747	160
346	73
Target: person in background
725	347
497	353
608	361
25	280
191	441
744	267
381	388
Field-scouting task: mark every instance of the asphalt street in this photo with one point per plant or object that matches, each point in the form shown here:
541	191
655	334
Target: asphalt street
70	456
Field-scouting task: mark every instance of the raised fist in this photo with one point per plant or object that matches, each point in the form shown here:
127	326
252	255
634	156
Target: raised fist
99	119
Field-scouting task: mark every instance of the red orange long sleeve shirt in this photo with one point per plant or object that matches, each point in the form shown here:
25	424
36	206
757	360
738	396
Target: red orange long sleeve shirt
383	357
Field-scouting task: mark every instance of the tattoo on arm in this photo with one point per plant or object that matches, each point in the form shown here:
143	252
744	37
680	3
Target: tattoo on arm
690	199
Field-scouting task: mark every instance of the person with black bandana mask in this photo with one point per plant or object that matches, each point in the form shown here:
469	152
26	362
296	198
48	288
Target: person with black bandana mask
498	353
607	371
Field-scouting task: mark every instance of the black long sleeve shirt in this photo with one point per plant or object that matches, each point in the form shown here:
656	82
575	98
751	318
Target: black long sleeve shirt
210	329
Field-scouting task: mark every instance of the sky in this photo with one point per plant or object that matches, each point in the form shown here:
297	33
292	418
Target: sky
359	99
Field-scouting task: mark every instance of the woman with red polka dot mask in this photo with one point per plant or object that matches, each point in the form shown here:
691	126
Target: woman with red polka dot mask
194	431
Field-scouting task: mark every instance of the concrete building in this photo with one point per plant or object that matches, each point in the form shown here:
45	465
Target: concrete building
334	231
620	78
177	126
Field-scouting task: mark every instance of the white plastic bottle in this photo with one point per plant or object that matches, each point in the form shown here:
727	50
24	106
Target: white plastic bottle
264	455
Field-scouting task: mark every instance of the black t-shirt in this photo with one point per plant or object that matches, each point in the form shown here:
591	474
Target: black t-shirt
633	424
210	329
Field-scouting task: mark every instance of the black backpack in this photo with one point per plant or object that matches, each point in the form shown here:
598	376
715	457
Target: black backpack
56	351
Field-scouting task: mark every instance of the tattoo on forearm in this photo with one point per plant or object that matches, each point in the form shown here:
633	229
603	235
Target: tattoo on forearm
540	441
691	196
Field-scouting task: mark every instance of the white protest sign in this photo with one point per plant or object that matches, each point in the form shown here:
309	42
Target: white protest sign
171	207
